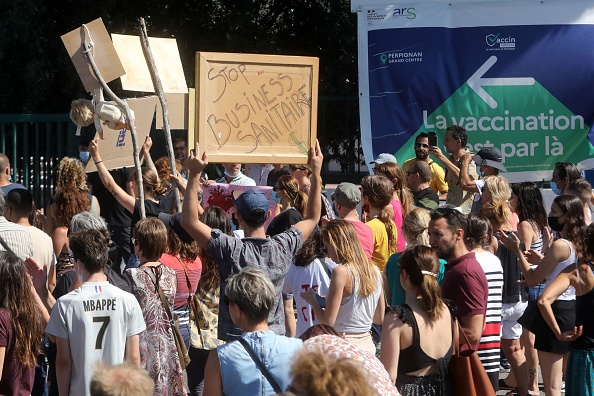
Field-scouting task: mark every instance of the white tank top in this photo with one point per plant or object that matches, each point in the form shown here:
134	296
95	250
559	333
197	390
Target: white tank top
355	314
569	294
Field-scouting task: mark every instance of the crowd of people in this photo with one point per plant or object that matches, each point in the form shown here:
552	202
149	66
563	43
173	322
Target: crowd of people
358	292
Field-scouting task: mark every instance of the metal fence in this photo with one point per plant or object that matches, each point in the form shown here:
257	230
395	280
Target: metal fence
34	144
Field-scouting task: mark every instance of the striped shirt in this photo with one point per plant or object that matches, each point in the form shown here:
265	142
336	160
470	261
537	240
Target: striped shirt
17	238
491	338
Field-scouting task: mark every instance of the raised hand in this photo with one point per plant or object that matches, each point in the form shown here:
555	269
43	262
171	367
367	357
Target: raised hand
196	164
315	158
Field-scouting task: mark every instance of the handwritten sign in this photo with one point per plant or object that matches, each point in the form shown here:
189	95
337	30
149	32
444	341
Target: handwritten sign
221	195
256	108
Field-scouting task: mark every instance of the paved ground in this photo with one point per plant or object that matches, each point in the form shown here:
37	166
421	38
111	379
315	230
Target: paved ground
505	373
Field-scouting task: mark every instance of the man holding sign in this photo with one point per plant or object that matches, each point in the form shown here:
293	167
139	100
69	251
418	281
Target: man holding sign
272	255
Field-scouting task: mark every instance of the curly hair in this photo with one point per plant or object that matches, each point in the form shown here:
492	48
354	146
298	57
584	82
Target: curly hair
499	188
378	189
458	133
394	172
290	185
17	299
215	218
175	246
340	234
163	167
70	201
315	373
71	173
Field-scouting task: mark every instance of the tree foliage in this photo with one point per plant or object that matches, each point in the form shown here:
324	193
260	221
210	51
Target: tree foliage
38	77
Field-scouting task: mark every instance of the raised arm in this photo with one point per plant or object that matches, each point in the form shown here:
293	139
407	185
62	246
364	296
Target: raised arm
550	294
126	200
314	202
145	153
190	220
558	252
466	182
449	165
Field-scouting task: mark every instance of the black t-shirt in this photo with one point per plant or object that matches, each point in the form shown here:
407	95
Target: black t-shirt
284	221
274	176
111	210
151	208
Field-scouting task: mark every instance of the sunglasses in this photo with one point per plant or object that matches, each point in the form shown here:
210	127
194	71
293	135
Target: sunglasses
423	145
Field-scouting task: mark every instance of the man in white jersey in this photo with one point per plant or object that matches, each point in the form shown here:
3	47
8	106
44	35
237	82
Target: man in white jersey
96	323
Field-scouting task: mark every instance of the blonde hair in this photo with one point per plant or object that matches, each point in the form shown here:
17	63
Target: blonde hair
497	212
379	189
340	234
315	373
414	227
122	380
499	188
71	174
82	112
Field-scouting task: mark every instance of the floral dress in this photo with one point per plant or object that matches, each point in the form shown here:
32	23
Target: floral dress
158	353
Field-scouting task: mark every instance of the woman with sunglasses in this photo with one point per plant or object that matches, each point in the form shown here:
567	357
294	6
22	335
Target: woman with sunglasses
292	203
567	218
302	173
158	353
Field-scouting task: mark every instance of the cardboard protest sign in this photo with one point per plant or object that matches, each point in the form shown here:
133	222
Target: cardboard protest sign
256	108
221	195
116	149
177	111
191	116
167	61
103	51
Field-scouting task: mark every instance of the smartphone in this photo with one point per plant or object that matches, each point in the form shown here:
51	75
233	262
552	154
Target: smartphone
432	138
321	300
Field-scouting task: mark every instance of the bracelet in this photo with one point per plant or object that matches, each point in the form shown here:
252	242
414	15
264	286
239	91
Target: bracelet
98	162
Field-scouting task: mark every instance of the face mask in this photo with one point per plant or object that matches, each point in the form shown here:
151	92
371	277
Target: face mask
275	197
233	177
84	156
556	189
554	223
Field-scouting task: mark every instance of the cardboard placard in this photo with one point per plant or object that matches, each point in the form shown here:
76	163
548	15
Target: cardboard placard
177	110
256	108
104	54
221	195
116	149
167	61
191	117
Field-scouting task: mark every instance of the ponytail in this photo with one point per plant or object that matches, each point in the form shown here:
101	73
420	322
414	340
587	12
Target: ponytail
422	265
386	218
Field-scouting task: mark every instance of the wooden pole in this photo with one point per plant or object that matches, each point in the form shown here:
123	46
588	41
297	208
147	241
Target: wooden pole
150	61
87	49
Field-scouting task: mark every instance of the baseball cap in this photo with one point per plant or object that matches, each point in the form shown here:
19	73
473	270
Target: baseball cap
347	194
174	222
383	158
248	203
489	156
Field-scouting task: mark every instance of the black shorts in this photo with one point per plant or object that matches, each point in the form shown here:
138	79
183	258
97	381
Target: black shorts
545	339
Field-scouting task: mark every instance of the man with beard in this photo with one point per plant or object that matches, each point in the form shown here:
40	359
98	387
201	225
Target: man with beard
464	281
437	182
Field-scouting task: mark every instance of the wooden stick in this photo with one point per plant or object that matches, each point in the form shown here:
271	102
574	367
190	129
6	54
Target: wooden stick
87	50
150	61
